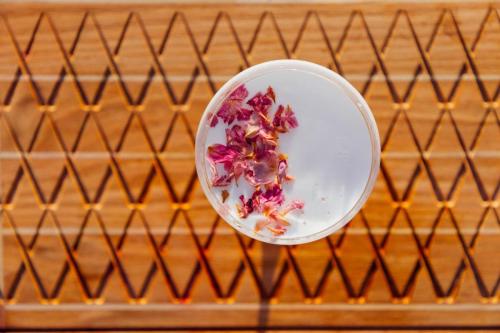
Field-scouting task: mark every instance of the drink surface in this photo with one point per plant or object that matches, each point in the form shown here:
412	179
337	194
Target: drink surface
330	154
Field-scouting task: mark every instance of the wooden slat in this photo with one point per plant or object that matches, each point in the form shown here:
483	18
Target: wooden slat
102	216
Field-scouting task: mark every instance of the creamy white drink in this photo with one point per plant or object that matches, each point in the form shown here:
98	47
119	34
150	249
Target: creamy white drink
333	153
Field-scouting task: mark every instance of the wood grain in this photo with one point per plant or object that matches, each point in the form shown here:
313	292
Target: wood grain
105	225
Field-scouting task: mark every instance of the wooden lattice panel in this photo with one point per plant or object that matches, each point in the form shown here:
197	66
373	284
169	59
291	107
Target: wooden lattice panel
104	223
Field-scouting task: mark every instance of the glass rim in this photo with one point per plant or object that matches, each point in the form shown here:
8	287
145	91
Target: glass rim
266	68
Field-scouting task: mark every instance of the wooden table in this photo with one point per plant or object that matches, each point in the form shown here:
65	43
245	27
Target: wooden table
104	225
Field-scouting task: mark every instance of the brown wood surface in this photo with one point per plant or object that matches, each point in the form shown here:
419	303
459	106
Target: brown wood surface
103	221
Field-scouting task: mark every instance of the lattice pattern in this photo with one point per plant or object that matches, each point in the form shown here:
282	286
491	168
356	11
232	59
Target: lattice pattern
100	199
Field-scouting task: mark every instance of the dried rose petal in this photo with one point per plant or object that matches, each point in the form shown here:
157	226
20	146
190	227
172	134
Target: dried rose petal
244	114
262	139
263	171
271	199
225	155
255	132
264	147
239	93
252	131
274	194
277	230
217	180
279	219
282	168
235	137
251	151
261	103
222	180
260	225
294	205
271	94
224	195
255	196
264	122
284	119
246	207
214	120
239	169
230	159
232	107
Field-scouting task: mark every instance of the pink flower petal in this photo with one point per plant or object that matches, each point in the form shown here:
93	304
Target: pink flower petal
222	180
235	137
246	207
260	103
294	205
232	107
276	229
270	93
239	168
262	172
279	219
264	122
229	158
244	114
239	93
282	169
274	194
214	120
251	150
284	119
225	155
260	225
